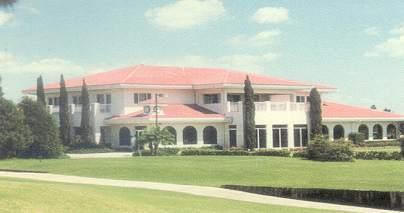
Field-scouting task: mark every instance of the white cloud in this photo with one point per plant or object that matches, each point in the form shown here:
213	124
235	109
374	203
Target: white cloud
263	38
184	14
272	15
398	30
372	31
5	18
10	64
391	47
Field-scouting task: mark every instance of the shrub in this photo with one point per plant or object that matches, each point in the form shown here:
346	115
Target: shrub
377	155
379	143
402	146
46	142
273	152
15	135
324	150
356	137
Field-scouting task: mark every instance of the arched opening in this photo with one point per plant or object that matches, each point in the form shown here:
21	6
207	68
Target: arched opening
189	135
377	132
339	132
364	130
324	131
124	136
173	132
210	135
391	131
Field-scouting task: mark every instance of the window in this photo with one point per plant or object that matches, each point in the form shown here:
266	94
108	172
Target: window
261	136
140	97
210	135
300	99
364	130
377	132
233	98
124	136
300	135
233	135
139	130
339	132
189	135
77	100
262	97
53	101
391	131
211	98
104	98
280	136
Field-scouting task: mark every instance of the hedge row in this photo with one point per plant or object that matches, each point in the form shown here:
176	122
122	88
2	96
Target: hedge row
238	152
377	155
379	199
378	143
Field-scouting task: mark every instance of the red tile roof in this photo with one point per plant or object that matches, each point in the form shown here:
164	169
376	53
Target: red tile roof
336	110
175	111
164	75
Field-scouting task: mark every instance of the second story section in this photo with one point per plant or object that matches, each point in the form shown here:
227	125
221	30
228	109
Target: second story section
127	90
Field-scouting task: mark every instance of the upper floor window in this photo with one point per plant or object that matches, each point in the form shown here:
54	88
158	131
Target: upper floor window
141	97
262	97
77	100
104	98
53	101
211	98
300	99
233	98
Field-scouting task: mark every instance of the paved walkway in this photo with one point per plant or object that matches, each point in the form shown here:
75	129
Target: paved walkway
102	155
189	189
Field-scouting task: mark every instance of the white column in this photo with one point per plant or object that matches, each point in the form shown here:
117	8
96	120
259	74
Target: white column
331	132
384	127
179	131
291	138
199	130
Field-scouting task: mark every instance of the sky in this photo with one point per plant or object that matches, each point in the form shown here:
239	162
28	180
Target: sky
355	46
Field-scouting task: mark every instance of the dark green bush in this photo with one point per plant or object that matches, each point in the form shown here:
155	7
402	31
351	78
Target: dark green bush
402	146
273	152
356	137
378	143
377	155
90	150
324	150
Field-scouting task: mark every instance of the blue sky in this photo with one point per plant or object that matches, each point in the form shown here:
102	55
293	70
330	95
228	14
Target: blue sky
356	46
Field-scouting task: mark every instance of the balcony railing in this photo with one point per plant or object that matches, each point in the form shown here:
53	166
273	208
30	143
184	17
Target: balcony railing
105	108
269	106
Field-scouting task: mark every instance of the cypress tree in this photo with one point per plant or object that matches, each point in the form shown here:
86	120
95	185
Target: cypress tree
40	92
46	142
249	116
64	114
1	89
85	128
315	112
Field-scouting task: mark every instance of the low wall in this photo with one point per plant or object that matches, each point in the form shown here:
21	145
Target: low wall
377	199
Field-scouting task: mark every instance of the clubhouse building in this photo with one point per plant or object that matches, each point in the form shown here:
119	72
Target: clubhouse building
203	106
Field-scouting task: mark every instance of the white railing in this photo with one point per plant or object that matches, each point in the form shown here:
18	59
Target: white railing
269	106
105	108
260	106
279	106
234	106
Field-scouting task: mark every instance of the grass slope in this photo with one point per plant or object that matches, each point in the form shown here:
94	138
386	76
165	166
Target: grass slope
30	196
220	170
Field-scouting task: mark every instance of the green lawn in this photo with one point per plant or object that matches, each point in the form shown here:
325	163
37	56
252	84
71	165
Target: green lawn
30	196
379	149
220	170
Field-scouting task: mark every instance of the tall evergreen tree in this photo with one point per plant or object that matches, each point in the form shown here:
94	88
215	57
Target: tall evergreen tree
46	141
64	114
315	112
7	3
250	140
1	89
85	127
40	92
15	136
